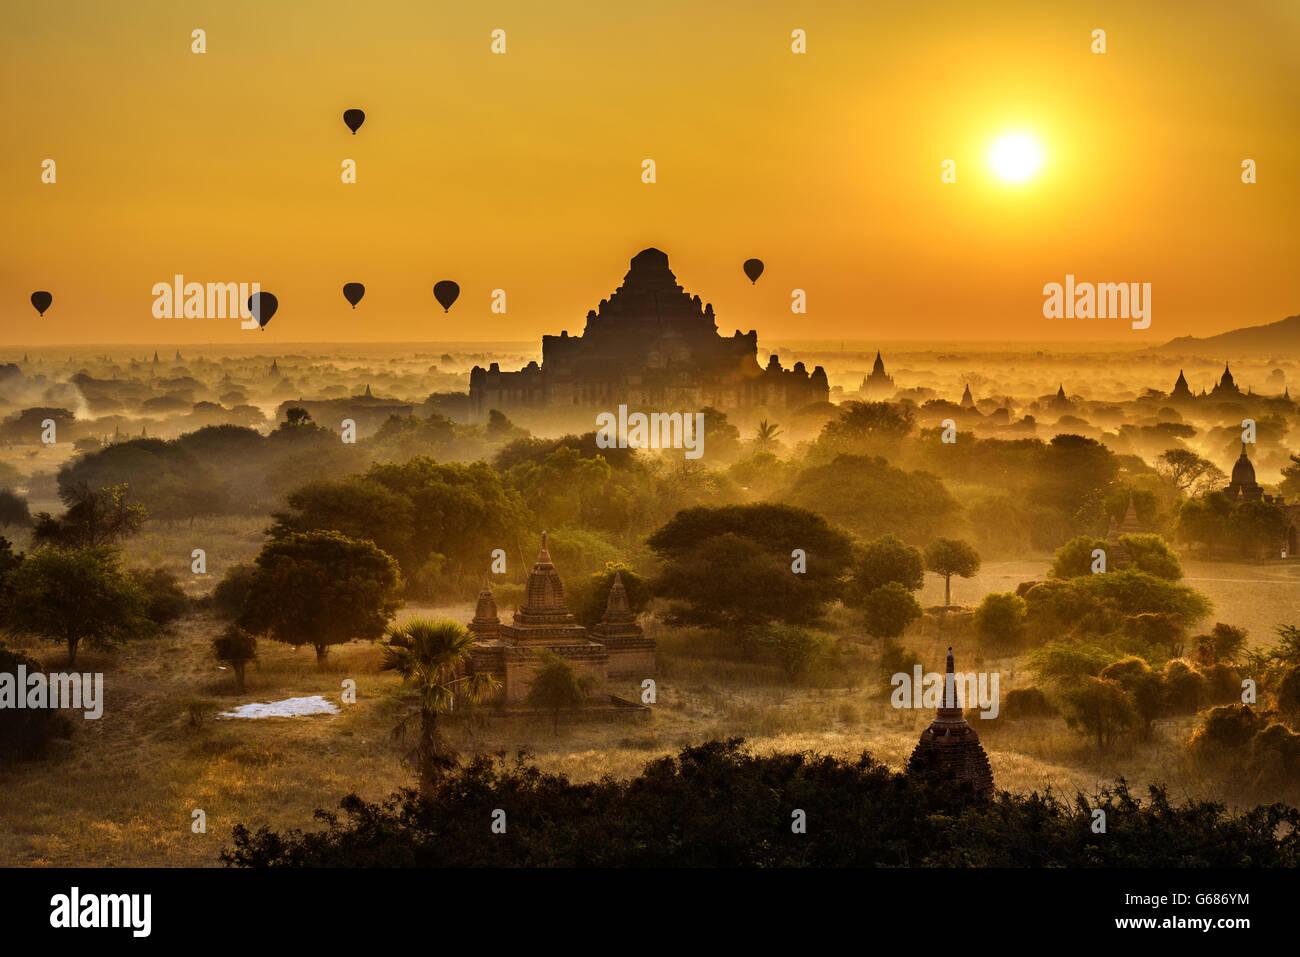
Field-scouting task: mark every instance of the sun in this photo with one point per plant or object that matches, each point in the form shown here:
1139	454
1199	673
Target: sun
1016	157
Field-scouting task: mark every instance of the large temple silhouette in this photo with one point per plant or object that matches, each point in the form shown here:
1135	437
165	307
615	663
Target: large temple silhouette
650	345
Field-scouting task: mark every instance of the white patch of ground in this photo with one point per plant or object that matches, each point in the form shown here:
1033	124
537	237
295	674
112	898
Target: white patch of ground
288	708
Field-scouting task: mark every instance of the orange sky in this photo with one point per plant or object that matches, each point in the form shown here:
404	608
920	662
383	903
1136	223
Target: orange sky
523	171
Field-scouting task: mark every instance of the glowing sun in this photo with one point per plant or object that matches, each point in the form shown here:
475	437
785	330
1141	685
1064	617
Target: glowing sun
1016	157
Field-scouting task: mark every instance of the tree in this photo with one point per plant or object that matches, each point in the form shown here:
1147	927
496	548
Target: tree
792	646
76	596
1099	707
1187	471
1143	685
435	657
948	557
1151	554
766	434
1075	557
884	560
13	509
320	589
1000	618
870	497
165	600
23	731
94	517
735	585
556	687
1223	643
889	610
735	566
237	648
232	591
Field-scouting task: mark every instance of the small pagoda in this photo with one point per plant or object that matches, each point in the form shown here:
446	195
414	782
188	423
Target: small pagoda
631	653
511	651
950	748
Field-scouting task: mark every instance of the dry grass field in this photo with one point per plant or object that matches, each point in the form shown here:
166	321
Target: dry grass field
121	790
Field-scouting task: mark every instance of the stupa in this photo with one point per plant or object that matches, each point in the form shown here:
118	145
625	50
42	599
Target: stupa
950	748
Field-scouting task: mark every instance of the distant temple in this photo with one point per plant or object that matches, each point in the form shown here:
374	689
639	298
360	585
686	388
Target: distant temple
878	385
649	345
616	647
949	747
1181	389
967	400
1244	488
367	411
1060	401
1129	526
1226	388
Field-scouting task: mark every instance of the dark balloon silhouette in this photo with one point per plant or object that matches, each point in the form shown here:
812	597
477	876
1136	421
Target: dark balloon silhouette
352	292
354	119
263	305
753	269
446	293
41	300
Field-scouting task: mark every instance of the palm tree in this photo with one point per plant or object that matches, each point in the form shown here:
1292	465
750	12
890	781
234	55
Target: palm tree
434	657
766	434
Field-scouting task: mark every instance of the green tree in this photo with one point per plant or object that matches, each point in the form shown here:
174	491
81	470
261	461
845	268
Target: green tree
165	600
1075	557
13	509
1143	686
947	557
435	657
1000	619
735	566
320	589
889	609
23	731
1151	554
1187	471
766	435
557	687
236	648
94	517
870	497
1099	707
1223	643
792	646
886	559
76	596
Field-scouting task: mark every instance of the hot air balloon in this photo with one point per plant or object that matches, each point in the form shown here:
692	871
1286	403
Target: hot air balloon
753	269
352	292
41	300
354	119
263	305
446	292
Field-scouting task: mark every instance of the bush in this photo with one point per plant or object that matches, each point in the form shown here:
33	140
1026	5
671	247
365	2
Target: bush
229	595
1027	703
165	600
719	806
1184	686
25	732
1000	619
